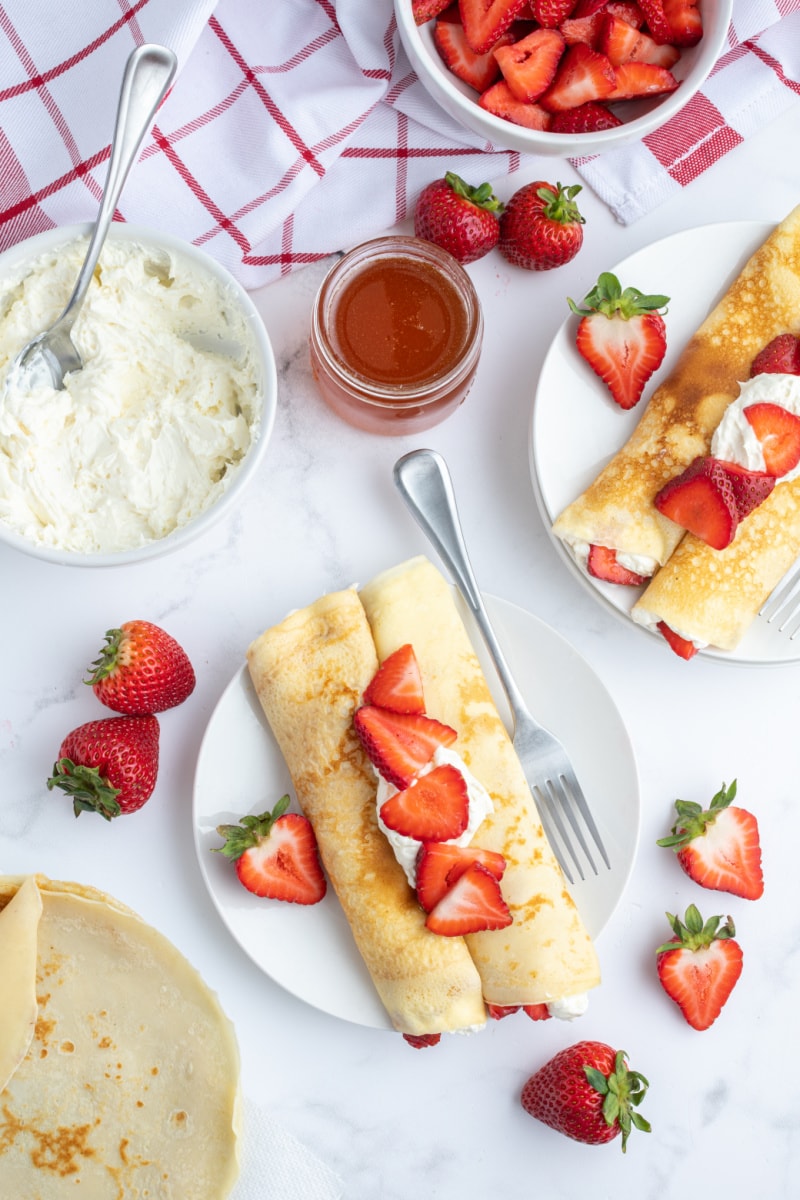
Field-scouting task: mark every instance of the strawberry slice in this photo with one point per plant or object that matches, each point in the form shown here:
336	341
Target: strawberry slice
780	356
550	13
635	79
701	499
498	1011
750	488
582	75
537	1012
682	646
656	20
440	864
426	10
276	855
434	808
685	22
699	968
485	21
778	431
397	684
623	43
420	1040
602	564
399	745
479	71
500	100
719	846
529	65
474	903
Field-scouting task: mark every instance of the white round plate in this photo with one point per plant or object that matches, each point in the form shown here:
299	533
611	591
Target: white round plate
576	427
309	950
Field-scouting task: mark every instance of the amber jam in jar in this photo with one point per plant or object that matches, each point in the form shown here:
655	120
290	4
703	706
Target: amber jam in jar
395	335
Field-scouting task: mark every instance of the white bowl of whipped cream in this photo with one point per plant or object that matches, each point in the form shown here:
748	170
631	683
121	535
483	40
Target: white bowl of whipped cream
157	436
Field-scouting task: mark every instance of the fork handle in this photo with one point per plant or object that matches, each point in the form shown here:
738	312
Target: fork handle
424	482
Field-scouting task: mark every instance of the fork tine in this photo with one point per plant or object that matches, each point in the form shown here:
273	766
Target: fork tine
551	818
783	594
570	779
563	795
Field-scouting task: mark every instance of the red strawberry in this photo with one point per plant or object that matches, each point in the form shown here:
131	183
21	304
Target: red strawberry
586	118
602	563
750	488
397	683
778	431
550	13
583	74
434	808
682	646
588	1093
622	336
498	1011
529	65
276	855
426	10
108	766
701	499
699	967
656	20
399	745
622	43
780	356
472	904
420	1040
635	79
477	70
440	864
457	217
141	669
685	22
501	101
537	1012
485	21
718	847
541	226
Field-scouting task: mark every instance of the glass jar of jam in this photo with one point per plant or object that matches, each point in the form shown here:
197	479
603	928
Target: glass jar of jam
396	334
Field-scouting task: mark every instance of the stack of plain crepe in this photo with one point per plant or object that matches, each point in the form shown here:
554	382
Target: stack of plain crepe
709	596
310	673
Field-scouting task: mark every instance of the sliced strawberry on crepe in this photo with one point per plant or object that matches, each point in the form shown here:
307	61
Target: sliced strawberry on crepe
498	1011
420	1040
750	488
682	646
479	71
529	65
501	101
602	564
635	79
485	21
474	903
399	745
778	431
434	808
781	356
700	966
719	846
685	21
397	684
276	855
582	75
586	118
440	864
537	1012
702	500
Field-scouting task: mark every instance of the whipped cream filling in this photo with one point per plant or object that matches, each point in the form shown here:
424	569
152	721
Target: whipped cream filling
155	426
734	439
641	564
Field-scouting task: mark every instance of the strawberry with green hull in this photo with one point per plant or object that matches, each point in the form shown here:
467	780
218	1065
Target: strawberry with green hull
700	966
718	847
541	226
588	1093
109	766
459	218
275	855
141	669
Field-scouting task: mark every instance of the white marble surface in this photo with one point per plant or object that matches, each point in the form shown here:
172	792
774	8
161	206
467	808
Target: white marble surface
443	1123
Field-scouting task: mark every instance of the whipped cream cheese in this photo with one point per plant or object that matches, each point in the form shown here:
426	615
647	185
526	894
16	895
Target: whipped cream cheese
641	564
734	439
154	427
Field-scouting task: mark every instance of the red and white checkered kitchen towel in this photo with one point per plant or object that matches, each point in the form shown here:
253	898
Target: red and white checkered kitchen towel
297	127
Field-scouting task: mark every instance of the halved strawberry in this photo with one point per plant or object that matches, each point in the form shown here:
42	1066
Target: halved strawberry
426	10
682	646
276	855
582	75
685	21
699	968
635	79
750	488
701	499
529	65
719	846
780	356
586	118
485	20
420	1040
440	864
500	100
479	71
656	20
474	903
622	43
397	684
602	563
778	431
399	745
434	808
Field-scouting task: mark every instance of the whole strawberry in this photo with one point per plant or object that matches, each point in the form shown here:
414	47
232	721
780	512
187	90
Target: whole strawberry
457	217
108	766
588	1093
541	227
141	669
719	846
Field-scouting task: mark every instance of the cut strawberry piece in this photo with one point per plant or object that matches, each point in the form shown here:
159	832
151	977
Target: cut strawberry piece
550	13
474	903
602	564
500	100
699	968
622	43
778	431
682	646
656	20
276	855
498	1011
719	846
537	1012
586	118
425	10
780	356
750	488
635	79
529	65
583	75
434	808
485	21
685	22
582	30
399	745
440	864
701	499
420	1040
397	684
479	71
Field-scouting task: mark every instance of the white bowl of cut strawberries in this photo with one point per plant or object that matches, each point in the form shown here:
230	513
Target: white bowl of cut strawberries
563	77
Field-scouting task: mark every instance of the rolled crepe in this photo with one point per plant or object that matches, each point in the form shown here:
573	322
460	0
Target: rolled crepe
617	509
19	924
546	953
309	673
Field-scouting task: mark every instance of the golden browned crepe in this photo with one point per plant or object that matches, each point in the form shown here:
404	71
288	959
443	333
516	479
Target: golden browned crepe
546	953
617	509
309	673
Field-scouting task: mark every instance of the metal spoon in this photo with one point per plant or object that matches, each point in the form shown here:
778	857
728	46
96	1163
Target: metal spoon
149	72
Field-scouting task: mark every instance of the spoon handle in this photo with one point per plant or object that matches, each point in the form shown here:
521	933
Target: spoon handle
148	74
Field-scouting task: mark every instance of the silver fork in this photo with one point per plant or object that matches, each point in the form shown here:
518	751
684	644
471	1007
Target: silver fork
424	482
784	604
